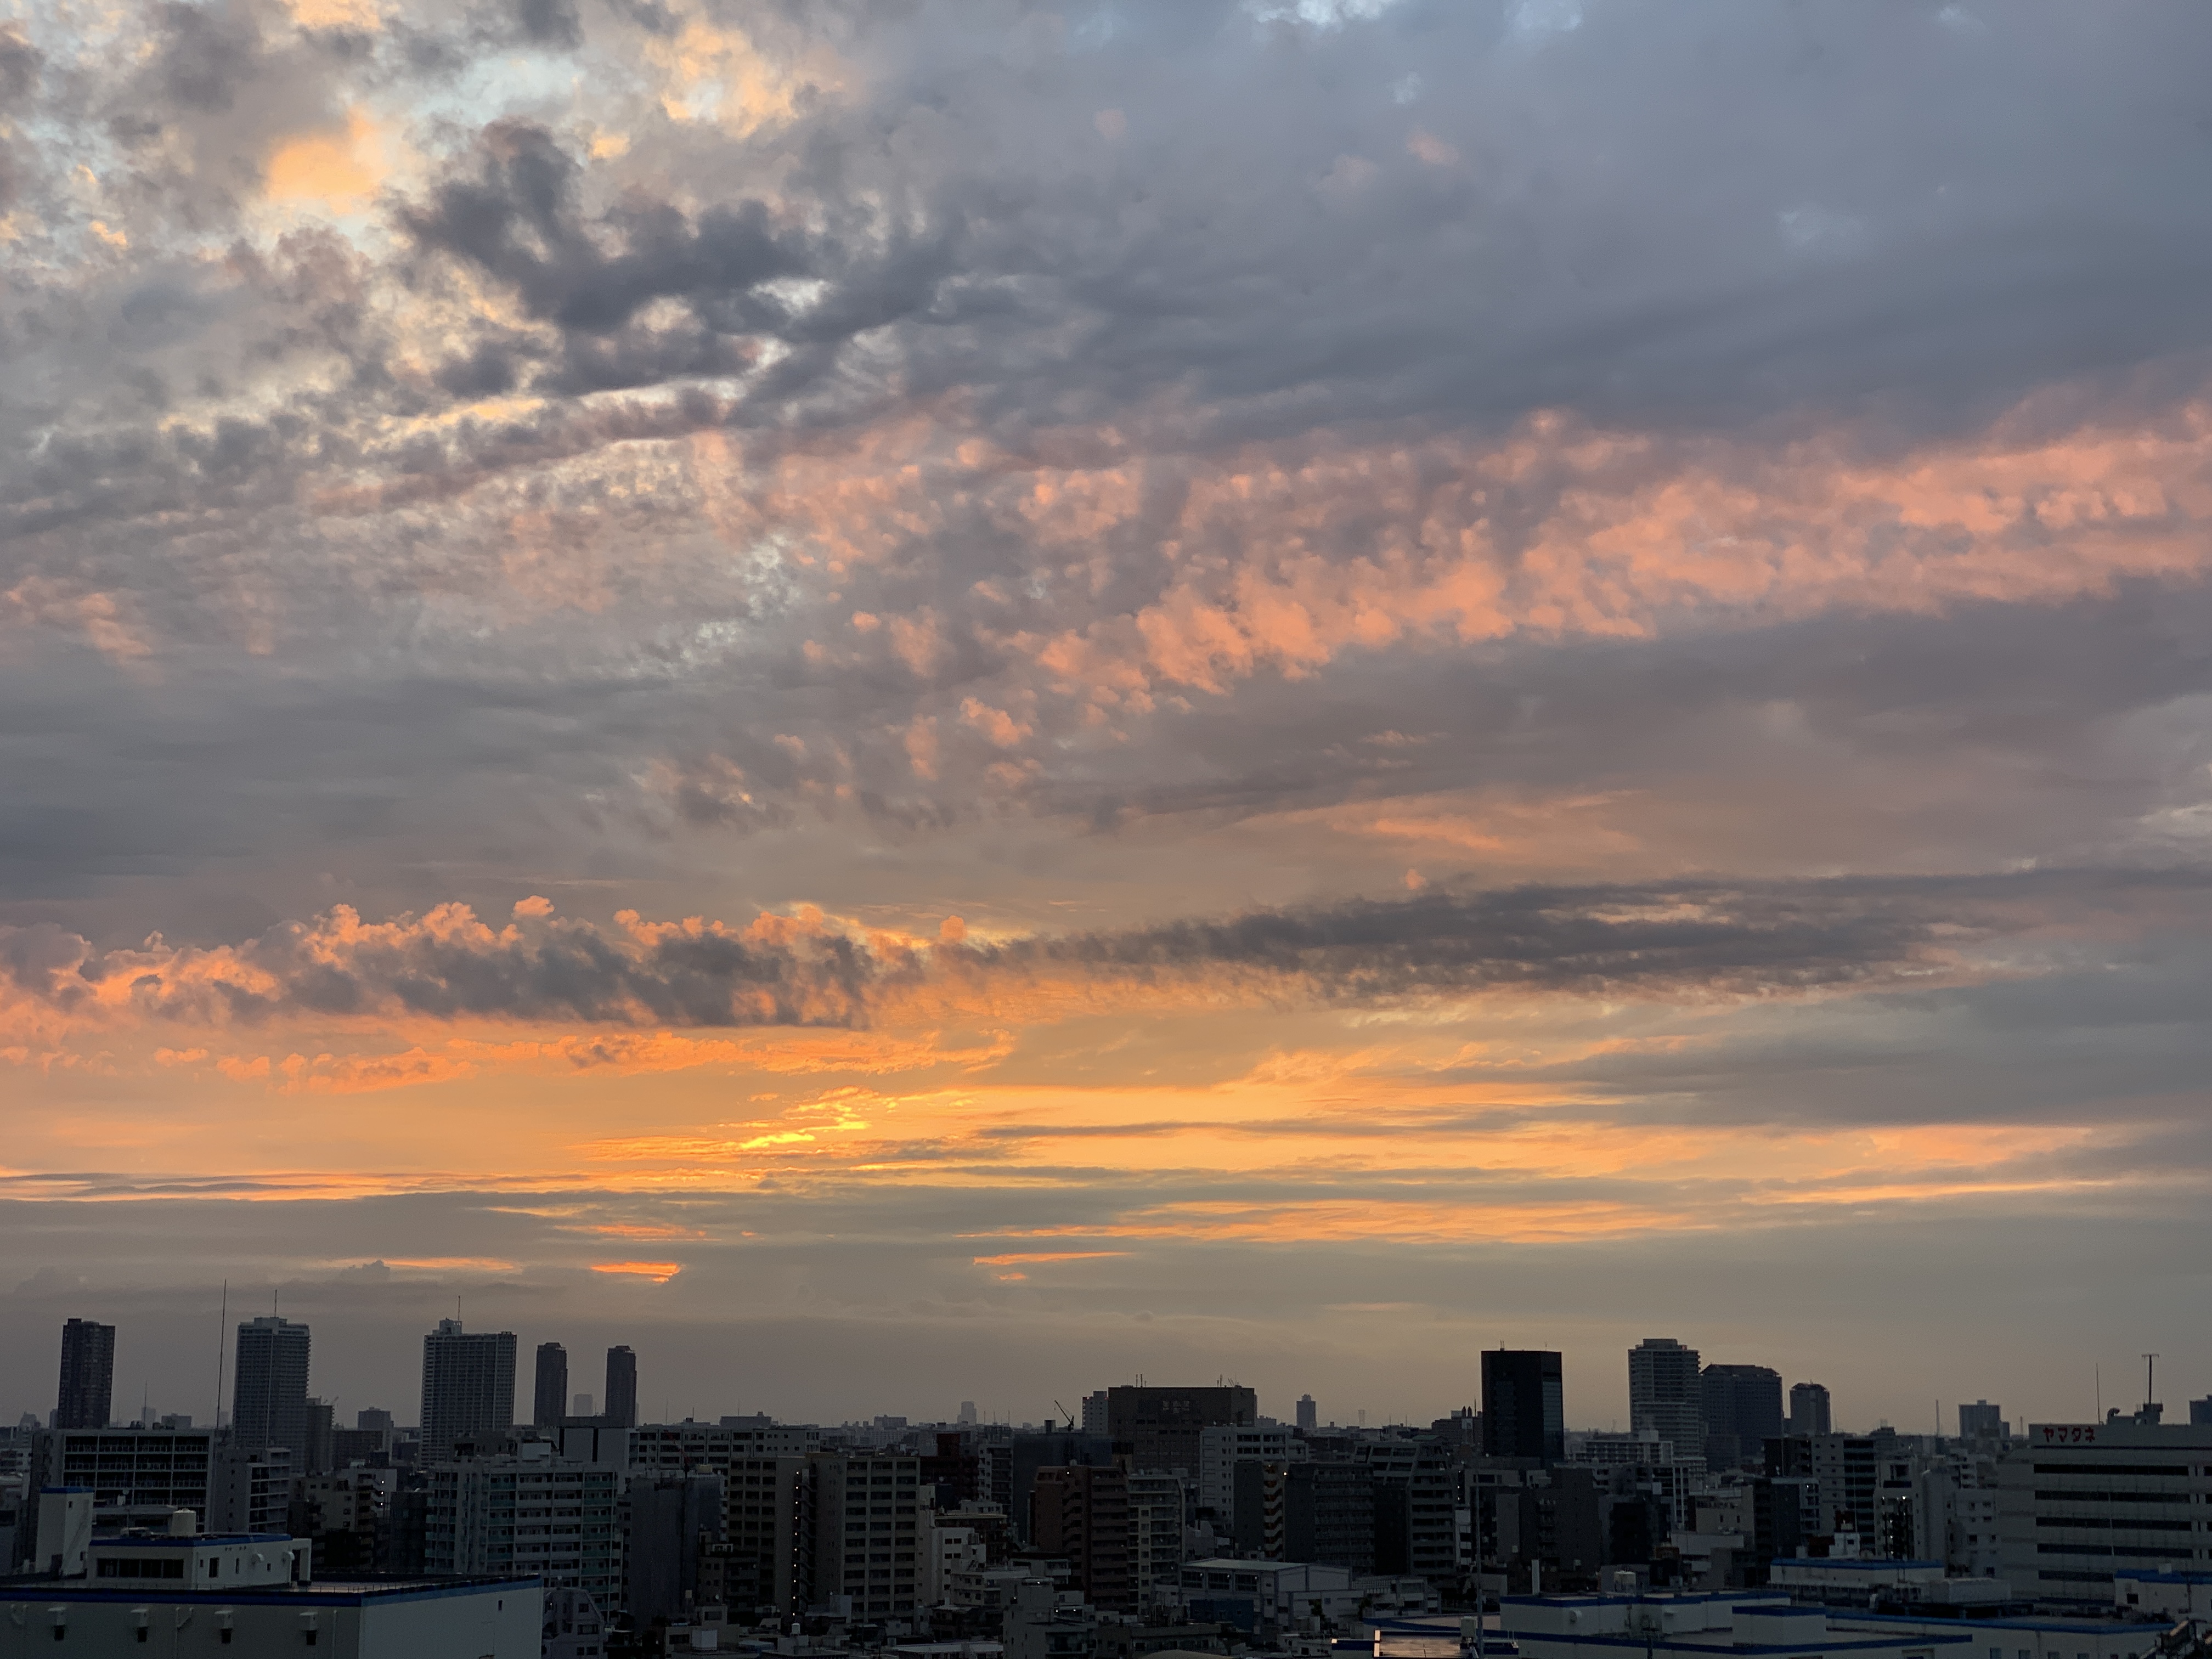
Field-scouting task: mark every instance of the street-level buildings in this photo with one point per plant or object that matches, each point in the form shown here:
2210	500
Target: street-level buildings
2079	1502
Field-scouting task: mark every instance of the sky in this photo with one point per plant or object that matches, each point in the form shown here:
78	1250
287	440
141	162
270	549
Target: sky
927	701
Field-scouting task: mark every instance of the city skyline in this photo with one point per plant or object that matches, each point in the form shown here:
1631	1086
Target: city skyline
1006	694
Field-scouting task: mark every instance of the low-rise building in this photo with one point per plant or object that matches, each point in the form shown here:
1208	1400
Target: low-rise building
1616	1626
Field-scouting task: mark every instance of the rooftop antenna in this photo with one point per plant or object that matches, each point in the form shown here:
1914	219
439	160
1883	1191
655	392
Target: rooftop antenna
2097	1373
2150	1375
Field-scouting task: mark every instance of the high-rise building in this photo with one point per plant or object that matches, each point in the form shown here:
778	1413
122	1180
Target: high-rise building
1220	1450
1081	1516
269	1392
88	1379
1523	1404
966	1410
879	1571
1664	1394
2085	1502
538	1515
1162	1426
1094	1411
549	1401
621	1389
1742	1409
468	1388
1983	1421
1308	1413
2200	1411
1328	1515
1808	1409
1155	1541
581	1406
763	1564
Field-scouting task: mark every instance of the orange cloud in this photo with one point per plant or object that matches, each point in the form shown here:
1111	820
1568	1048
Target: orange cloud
658	1271
339	169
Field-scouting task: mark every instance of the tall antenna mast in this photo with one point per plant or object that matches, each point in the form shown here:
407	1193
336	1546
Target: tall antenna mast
2151	1378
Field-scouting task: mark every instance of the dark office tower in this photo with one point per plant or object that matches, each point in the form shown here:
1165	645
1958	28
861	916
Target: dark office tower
621	1389
1308	1413
88	1385
269	1393
1162	1426
1808	1409
1524	1405
468	1387
550	1402
1743	1412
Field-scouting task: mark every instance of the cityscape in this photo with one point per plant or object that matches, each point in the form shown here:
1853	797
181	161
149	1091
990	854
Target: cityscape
1106	829
1149	1519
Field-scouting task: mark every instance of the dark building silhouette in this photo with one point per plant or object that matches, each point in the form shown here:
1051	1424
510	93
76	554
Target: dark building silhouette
1524	1405
88	1379
269	1391
1081	1516
550	1402
1162	1426
1743	1412
621	1411
468	1387
1808	1409
1328	1515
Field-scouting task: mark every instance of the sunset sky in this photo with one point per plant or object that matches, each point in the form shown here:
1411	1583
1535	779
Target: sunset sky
929	701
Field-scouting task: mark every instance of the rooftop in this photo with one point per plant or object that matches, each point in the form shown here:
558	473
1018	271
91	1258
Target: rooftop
340	1592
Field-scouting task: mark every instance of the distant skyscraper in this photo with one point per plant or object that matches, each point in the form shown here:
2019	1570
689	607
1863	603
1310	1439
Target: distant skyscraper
1808	1409
87	1380
1308	1413
269	1393
372	1419
581	1406
966	1410
1983	1421
1664	1395
1743	1412
550	1399
1524	1405
468	1387
1164	1425
621	1389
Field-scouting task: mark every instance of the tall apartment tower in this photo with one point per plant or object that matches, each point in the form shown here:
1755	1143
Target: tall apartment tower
1094	1413
1983	1421
1081	1516
1665	1394
88	1379
1743	1412
269	1393
1308	1413
1808	1409
621	1389
1524	1405
468	1387
550	1402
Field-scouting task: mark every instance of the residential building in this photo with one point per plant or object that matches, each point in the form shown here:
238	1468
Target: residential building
136	1476
674	1448
1416	1496
763	1563
1983	1421
1665	1393
528	1513
86	1395
1742	1409
468	1387
1257	1529
866	1536
622	1387
1808	1409
668	1521
548	1398
250	1489
268	1386
1007	1470
1156	1501
2079	1501
1328	1515
1524	1405
1220	1450
1094	1411
1081	1516
1254	1595
949	1547
1163	1426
